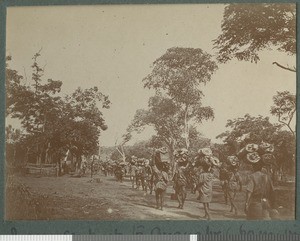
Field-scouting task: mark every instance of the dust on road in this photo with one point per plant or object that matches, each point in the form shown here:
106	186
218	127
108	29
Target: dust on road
67	198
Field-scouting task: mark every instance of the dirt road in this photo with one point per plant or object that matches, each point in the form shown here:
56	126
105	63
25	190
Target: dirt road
68	198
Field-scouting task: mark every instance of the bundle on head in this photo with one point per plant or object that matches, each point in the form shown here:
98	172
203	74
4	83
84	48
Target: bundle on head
206	159
265	147
205	152
146	162
161	163
140	162
268	159
253	157
254	153
233	161
181	156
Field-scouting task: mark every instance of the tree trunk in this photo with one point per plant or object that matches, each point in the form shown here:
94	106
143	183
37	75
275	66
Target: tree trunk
186	128
78	162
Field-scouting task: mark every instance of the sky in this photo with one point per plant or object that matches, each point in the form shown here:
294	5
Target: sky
114	46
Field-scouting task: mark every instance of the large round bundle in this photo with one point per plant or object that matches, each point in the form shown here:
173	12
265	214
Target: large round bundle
210	161
214	161
181	155
251	147
268	158
253	157
176	154
265	147
205	152
162	150
140	162
162	159
233	160
122	164
146	162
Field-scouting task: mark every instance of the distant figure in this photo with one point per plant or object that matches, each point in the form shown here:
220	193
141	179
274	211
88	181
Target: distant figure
140	176
224	177
205	188
259	195
180	175
160	183
234	185
148	177
119	172
133	170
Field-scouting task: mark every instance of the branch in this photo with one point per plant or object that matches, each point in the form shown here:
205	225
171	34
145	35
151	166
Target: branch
286	124
286	68
119	151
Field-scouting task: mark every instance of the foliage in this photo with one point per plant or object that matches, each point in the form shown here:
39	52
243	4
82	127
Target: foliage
178	75
250	28
162	115
284	108
249	129
53	123
139	149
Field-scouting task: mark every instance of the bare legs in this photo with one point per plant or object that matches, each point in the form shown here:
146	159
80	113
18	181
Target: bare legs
206	209
159	195
233	207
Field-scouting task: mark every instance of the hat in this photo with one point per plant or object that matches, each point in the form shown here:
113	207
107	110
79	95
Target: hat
253	157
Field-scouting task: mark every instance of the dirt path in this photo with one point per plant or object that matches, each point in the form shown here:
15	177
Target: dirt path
70	198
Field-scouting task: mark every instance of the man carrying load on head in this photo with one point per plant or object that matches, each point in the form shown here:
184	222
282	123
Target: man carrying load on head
180	179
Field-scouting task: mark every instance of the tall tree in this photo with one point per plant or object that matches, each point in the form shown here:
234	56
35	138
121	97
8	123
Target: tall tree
249	28
178	74
162	115
36	105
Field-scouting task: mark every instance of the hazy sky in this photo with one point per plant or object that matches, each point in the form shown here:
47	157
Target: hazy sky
113	47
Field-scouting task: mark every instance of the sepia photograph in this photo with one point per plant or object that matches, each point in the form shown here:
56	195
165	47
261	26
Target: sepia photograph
151	112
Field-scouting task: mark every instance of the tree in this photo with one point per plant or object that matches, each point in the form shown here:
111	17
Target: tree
178	75
54	124
246	130
12	139
78	128
162	115
35	105
249	28
120	146
284	108
249	129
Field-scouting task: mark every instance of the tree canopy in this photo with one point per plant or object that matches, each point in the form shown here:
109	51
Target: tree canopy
250	28
250	129
52	122
284	108
178	75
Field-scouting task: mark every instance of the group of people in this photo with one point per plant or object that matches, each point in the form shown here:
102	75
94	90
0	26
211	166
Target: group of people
200	173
